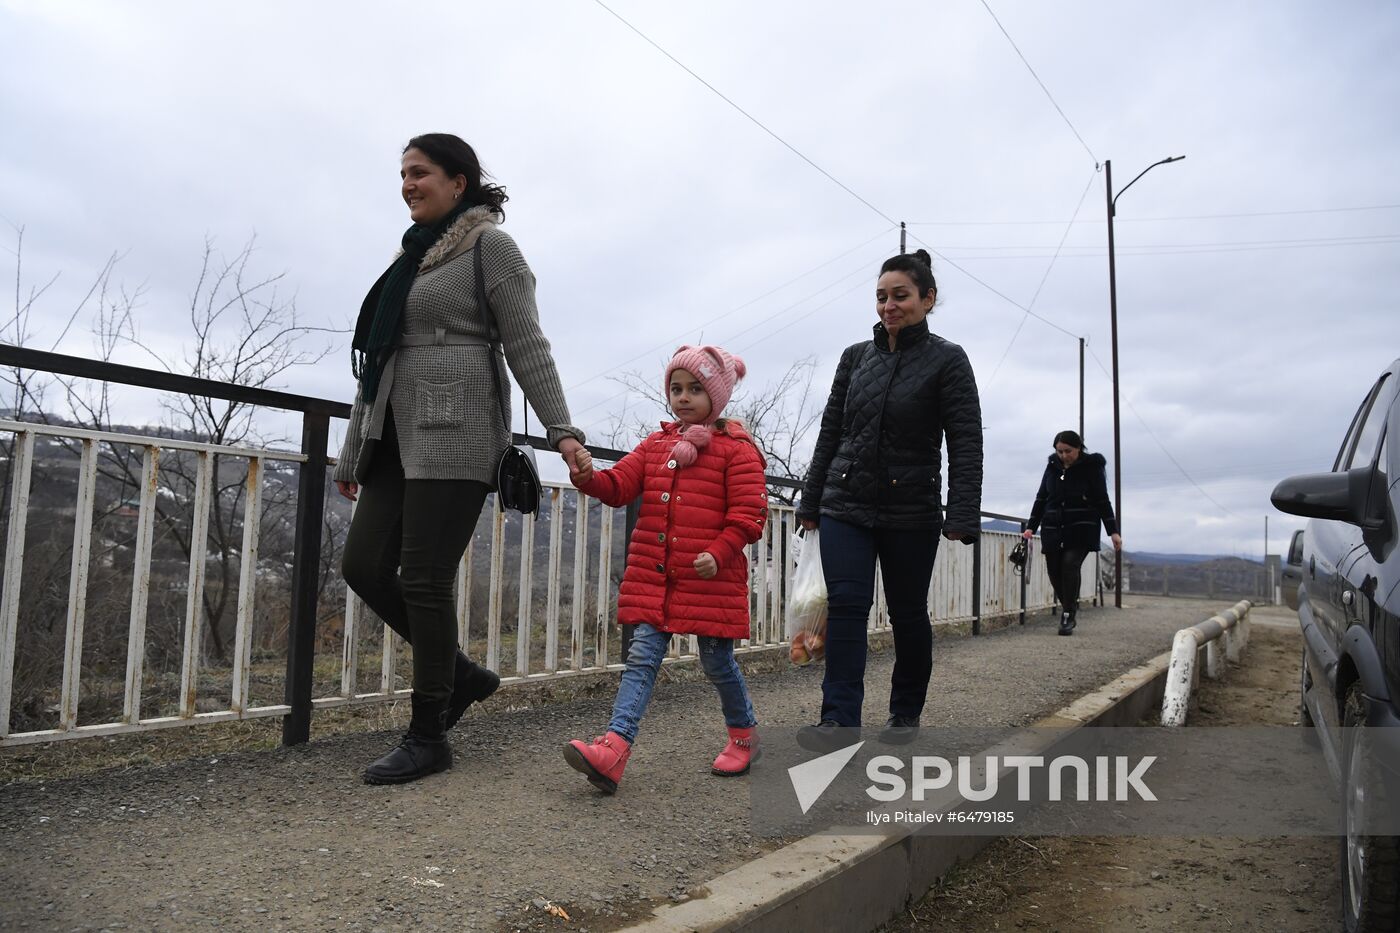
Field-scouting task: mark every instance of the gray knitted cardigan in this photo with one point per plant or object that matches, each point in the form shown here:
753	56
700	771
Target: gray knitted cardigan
446	413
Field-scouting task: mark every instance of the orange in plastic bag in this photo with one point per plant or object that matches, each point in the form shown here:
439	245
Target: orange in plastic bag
806	608
807	647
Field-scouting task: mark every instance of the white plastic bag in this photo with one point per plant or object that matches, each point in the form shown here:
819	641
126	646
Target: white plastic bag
806	608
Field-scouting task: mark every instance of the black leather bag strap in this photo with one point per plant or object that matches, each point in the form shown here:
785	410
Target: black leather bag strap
484	304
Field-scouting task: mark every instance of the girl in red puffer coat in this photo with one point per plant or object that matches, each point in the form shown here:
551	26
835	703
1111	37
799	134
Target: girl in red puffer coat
703	501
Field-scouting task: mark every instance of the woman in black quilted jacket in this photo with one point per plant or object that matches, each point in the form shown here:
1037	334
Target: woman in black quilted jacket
1072	502
874	488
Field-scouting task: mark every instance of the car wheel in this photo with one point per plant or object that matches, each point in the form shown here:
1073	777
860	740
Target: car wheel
1370	864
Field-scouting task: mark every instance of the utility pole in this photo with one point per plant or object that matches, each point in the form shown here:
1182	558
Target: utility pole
1113	330
901	238
1081	389
1117	436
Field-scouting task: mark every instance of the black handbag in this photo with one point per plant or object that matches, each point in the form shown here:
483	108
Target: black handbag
1019	555
517	475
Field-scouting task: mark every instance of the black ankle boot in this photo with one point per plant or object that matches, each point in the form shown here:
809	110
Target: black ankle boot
423	751
471	683
1066	623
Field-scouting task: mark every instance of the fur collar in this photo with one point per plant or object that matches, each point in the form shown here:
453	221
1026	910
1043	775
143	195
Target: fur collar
1095	459
457	238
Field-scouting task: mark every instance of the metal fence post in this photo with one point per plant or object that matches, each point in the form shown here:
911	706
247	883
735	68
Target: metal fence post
977	585
1023	592
306	577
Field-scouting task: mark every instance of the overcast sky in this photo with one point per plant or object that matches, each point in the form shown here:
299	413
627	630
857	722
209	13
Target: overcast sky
1257	279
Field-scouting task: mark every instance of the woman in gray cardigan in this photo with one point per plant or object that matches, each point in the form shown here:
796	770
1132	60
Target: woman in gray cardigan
426	431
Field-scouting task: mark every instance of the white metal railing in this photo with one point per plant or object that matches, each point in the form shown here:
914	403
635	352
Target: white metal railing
24	437
527	638
1224	635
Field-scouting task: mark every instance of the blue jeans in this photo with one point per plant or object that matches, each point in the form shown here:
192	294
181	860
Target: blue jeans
906	564
644	657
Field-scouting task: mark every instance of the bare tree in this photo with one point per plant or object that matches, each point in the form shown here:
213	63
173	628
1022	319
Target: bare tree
245	332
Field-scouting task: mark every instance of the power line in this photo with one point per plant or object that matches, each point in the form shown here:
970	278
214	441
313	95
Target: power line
1141	251
1044	278
1139	220
756	122
1162	446
1042	84
1353	238
802	317
753	301
1002	295
862	269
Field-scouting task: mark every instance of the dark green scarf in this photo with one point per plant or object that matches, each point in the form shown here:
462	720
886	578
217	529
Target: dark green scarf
377	329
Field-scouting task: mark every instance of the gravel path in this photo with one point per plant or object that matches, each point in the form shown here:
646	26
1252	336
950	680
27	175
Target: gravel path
292	840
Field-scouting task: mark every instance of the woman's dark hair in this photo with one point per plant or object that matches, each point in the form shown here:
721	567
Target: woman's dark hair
1071	438
918	266
453	155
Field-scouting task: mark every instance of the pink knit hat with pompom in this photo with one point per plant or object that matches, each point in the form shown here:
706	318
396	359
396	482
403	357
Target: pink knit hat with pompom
718	371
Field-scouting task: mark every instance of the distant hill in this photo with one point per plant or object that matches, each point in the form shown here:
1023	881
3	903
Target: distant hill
1152	557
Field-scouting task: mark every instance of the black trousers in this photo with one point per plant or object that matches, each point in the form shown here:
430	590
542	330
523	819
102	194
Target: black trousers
401	557
906	560
1064	565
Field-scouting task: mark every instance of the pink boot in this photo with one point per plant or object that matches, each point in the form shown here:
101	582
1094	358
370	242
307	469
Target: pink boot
741	751
602	761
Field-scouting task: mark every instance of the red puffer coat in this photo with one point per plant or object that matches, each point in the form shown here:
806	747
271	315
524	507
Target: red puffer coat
717	504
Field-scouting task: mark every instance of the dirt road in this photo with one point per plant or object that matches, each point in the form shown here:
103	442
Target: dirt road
1161	884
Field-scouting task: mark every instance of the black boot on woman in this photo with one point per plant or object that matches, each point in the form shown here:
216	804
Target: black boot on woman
423	751
471	683
1067	623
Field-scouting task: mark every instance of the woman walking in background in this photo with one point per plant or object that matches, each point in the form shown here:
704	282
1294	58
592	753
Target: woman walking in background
1072	502
427	430
874	489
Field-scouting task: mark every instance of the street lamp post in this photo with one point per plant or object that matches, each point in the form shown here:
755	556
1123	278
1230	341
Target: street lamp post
1113	325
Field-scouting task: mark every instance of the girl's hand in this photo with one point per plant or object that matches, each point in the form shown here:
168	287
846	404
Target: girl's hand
581	471
568	449
1117	542
348	490
577	459
954	535
809	524
705	565
1028	534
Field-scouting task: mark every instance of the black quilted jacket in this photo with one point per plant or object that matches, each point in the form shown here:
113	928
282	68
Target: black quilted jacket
877	459
1071	503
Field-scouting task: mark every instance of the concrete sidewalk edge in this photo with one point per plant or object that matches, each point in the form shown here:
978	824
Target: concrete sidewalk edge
859	882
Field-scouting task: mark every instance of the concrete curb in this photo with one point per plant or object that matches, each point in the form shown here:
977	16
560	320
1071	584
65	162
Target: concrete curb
858	882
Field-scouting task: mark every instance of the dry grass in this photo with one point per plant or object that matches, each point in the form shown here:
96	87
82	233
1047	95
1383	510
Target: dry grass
978	888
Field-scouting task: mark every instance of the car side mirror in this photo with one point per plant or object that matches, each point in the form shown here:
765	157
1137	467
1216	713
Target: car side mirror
1295	550
1337	497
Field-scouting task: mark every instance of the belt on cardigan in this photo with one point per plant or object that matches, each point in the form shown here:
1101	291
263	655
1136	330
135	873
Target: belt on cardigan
442	338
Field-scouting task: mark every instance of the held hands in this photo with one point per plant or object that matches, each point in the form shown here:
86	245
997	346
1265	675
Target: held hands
350	491
705	565
582	470
578	460
1117	542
